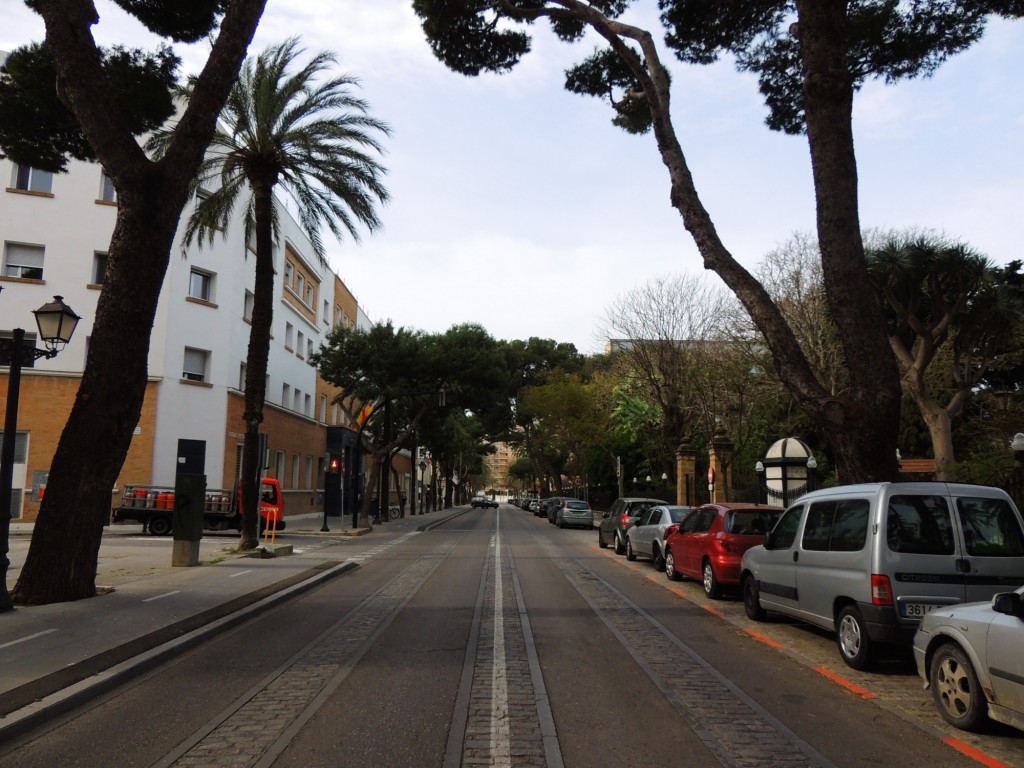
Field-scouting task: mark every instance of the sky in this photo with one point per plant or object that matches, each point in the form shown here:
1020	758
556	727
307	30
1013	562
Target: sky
519	206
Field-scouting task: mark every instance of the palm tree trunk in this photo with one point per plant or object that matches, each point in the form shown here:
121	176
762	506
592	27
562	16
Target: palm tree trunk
256	365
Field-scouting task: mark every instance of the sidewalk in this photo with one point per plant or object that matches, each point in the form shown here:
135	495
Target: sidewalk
54	657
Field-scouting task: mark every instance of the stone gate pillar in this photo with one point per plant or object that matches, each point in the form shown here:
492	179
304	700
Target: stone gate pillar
721	463
686	468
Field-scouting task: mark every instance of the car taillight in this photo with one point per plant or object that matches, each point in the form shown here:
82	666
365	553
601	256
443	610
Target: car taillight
671	529
881	590
624	522
728	545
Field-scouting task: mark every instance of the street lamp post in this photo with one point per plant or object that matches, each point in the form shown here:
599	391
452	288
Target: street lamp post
759	469
56	322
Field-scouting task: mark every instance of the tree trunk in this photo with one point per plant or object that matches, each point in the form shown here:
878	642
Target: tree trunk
863	425
256	365
62	558
865	431
940	428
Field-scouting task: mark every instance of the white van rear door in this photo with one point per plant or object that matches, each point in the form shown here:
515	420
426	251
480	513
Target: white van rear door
920	553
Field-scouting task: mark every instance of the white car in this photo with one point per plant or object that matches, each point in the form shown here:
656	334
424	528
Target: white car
647	537
972	657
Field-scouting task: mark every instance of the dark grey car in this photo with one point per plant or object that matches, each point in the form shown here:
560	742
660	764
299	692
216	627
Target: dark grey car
616	521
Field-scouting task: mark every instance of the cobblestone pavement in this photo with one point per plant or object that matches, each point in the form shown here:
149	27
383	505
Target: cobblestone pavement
733	726
254	730
508	722
894	686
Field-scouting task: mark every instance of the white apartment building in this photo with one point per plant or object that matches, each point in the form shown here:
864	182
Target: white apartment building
54	233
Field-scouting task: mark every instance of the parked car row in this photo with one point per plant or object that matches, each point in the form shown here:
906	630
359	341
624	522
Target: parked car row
563	511
928	566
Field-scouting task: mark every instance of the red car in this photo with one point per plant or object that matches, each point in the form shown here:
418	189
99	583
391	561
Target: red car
710	543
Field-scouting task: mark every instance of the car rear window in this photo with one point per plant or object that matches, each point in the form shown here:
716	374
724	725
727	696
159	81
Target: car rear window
750	522
577	505
991	529
920	525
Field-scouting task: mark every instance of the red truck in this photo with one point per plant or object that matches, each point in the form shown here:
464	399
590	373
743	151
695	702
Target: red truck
153	506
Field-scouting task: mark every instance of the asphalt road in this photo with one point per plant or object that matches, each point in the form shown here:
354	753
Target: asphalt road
511	644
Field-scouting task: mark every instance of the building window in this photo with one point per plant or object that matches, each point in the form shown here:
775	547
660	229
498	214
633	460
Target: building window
289	334
309	472
200	285
310	296
196	363
327	312
279	466
250	301
300	283
99	268
107	192
241	377
297	402
286	394
307	405
32	179
295	469
288	271
25	261
300	343
323	409
309	349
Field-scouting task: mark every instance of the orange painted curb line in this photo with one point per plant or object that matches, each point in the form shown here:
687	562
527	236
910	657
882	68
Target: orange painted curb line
711	609
764	638
974	753
852	687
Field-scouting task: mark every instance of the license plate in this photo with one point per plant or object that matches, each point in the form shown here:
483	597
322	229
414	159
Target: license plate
917	610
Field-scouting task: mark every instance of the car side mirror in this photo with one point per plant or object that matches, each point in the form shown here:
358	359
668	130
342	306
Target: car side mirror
605	515
1009	603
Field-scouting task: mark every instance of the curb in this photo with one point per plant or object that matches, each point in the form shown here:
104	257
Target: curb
43	706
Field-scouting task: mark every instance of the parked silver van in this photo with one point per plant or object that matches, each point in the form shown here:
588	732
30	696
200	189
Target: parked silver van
868	561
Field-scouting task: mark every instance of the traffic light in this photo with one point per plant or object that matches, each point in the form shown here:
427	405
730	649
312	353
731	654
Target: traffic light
334	466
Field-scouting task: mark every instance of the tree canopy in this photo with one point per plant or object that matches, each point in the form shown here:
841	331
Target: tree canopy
811	57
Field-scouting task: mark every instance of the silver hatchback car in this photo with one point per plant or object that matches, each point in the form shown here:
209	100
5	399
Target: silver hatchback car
647	537
972	657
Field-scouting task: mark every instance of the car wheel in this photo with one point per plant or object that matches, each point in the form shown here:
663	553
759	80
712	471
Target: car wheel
630	554
752	600
659	559
561	523
600	540
670	567
620	547
711	586
856	648
159	526
956	690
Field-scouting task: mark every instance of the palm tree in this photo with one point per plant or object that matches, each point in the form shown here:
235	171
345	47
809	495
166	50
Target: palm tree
314	140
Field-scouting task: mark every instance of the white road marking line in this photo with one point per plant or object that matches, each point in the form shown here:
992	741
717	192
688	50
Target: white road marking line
501	741
240	573
26	639
159	597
